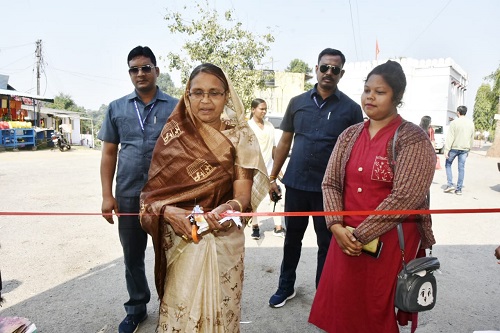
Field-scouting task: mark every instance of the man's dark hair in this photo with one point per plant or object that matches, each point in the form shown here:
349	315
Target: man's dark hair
141	51
332	52
462	109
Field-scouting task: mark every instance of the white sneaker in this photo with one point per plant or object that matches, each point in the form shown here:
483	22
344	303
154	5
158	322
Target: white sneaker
448	189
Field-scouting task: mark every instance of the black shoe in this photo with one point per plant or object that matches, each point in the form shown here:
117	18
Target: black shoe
280	297
279	232
255	233
131	322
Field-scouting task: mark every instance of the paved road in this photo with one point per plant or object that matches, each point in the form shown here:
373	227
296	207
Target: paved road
65	273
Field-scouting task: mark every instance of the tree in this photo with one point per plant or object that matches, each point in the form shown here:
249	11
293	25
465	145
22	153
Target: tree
300	66
225	44
166	84
495	91
486	103
97	118
65	102
482	108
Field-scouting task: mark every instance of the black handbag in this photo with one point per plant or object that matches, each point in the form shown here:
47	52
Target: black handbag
416	288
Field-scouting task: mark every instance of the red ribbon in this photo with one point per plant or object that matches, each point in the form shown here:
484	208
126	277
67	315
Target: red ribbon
317	213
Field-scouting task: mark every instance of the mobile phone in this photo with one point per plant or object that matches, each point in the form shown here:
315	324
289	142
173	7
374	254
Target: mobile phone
375	254
368	248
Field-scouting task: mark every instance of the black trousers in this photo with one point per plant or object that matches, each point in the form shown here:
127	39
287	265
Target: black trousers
134	241
302	201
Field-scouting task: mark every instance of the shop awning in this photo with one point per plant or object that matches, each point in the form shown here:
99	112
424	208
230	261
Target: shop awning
8	92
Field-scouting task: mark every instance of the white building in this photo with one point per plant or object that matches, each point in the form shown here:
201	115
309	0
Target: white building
434	87
280	88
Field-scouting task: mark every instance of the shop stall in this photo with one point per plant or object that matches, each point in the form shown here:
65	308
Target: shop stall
17	128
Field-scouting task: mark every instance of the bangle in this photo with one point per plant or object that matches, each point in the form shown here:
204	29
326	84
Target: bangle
272	177
230	225
272	181
239	204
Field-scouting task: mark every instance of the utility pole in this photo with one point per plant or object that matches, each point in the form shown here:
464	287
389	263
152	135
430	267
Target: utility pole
38	65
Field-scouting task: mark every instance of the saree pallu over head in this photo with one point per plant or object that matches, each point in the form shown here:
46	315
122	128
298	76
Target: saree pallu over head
194	164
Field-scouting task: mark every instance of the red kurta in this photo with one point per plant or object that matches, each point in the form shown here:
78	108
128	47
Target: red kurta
356	294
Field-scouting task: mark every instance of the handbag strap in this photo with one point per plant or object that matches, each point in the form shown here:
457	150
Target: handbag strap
401	236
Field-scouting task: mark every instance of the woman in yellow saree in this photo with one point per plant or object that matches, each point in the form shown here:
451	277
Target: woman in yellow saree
206	155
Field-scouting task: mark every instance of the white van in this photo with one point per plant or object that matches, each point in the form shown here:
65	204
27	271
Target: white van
439	138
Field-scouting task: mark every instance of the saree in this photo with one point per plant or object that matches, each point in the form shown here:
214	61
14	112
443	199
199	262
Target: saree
200	285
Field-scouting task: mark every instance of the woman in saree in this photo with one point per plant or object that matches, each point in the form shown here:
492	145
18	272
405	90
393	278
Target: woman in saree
206	155
356	291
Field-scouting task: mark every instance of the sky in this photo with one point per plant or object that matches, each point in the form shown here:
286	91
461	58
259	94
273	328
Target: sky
85	44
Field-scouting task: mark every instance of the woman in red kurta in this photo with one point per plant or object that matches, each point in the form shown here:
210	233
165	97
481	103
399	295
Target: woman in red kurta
356	291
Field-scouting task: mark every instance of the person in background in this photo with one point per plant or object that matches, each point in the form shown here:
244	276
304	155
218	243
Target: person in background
264	131
425	124
459	141
206	157
129	132
313	121
363	175
497	253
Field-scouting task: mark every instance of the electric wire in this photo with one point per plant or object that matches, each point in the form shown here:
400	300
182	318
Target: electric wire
353	32
7	66
427	27
14	46
359	31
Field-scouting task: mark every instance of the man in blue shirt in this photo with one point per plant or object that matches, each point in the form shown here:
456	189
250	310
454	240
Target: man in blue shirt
129	132
313	120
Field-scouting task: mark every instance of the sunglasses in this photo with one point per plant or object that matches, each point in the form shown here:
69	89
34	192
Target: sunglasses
335	70
146	69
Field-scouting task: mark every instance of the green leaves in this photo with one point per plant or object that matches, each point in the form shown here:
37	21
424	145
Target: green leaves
222	41
65	102
486	103
300	66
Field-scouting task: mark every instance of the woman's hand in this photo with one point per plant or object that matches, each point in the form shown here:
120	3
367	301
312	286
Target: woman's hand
215	216
177	218
346	240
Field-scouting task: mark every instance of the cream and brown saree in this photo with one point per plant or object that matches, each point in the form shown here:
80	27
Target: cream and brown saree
200	285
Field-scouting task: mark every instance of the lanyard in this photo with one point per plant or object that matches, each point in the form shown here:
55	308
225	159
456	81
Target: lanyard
142	122
316	101
320	106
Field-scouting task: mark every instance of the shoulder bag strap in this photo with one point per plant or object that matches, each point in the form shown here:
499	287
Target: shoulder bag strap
401	236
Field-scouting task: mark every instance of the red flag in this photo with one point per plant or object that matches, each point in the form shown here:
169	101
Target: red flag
377	50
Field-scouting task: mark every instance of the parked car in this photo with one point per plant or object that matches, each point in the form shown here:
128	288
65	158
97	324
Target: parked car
439	138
